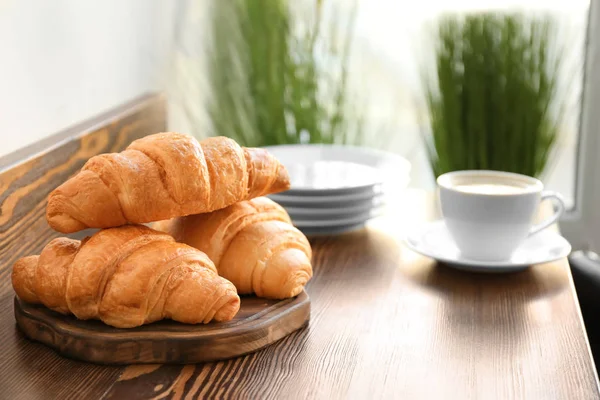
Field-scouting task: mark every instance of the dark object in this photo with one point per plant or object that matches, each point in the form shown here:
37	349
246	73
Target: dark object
259	323
585	267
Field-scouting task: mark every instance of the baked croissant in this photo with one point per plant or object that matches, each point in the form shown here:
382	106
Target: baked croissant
253	245
126	277
163	176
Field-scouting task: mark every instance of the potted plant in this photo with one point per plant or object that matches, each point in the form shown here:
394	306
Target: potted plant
276	78
492	102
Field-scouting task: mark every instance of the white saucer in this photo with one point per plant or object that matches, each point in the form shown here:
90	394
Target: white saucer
337	209
433	240
334	222
322	169
332	230
284	199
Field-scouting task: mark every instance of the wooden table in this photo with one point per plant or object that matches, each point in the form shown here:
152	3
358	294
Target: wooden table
386	323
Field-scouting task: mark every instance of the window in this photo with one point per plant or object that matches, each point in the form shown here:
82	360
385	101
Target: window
390	40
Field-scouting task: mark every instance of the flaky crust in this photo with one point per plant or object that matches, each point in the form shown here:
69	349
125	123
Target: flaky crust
252	243
163	176
126	277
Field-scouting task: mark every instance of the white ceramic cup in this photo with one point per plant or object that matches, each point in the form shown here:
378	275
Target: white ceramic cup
490	213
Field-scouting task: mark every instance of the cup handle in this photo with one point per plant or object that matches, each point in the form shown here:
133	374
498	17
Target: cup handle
560	203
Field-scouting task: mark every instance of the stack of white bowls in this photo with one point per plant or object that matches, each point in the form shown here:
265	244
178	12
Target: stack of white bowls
338	188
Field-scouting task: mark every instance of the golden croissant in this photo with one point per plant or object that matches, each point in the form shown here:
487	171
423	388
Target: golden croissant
253	245
163	176
126	277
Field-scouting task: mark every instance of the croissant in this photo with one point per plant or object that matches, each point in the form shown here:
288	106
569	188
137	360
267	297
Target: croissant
126	277
163	176
253	245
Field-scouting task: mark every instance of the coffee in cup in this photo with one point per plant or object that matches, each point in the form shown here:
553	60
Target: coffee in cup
490	213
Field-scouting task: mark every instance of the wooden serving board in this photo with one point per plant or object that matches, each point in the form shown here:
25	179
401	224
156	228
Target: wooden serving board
259	323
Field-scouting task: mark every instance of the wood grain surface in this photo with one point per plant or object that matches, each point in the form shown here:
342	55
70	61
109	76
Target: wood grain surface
29	370
386	323
259	323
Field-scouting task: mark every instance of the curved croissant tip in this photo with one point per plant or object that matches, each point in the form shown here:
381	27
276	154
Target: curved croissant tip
286	274
282	182
22	278
292	287
58	220
229	309
295	285
64	223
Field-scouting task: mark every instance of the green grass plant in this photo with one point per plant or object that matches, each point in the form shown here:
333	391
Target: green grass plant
275	78
492	102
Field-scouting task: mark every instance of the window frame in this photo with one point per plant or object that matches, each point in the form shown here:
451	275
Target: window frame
581	225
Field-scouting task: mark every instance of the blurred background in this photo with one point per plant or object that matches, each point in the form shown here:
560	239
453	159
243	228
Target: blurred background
379	73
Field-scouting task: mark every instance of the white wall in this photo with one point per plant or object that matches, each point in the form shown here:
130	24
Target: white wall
63	61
